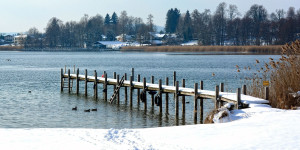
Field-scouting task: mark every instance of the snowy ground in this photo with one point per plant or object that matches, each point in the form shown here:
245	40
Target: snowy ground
259	127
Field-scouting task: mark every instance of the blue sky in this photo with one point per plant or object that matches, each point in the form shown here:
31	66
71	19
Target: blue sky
20	15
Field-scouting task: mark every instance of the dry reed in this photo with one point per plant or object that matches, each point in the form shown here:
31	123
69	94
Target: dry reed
8	48
284	76
275	49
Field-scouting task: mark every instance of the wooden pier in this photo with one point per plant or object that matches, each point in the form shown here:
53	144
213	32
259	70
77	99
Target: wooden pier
155	90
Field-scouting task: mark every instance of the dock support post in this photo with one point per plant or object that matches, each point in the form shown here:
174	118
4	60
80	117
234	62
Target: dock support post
183	99
195	102
152	95
131	91
244	89
160	95
95	85
69	81
238	98
145	87
267	93
105	87
85	82
61	79
115	76
167	97
118	93
174	80
138	90
65	69
217	97
132	73
177	99
221	103
74	69
77	81
125	88
201	104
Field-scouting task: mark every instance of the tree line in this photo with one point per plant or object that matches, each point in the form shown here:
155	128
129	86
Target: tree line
226	25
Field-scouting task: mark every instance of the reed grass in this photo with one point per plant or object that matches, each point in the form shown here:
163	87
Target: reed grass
8	48
284	76
271	49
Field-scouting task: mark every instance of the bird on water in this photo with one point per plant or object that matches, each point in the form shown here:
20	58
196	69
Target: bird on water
75	108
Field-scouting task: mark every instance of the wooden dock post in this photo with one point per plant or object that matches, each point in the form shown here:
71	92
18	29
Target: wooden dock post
160	96
221	103
85	81
183	98
105	87
217	97
174	81
69	81
244	89
61	79
201	104
152	95
131	91
167	97
267	93
118	93
65	69
115	76
125	88
138	90
145	87
238	98
195	102
77	81
74	69
132	73
177	99
95	85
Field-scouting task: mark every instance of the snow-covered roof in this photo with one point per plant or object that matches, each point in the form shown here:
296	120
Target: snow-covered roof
190	43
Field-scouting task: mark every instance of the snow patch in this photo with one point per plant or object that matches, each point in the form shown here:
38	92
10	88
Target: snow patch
127	139
222	116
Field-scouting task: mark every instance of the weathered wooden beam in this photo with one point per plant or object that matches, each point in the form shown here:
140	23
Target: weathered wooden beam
131	91
105	87
195	102
266	93
152	95
244	89
61	79
167	97
177	99
69	81
221	103
132	73
201	104
95	85
174	80
118	93
183	98
114	76
85	81
160	96
238	98
77	81
217	97
125	89
138	90
144	88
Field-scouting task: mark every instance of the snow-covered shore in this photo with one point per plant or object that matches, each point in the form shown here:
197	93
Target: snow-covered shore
259	127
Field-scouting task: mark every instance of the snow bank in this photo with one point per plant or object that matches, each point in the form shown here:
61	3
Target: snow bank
259	127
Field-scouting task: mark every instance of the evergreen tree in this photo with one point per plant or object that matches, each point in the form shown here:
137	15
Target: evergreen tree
107	20
172	20
187	27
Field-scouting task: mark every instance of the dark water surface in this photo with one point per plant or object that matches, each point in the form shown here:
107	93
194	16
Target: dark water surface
46	107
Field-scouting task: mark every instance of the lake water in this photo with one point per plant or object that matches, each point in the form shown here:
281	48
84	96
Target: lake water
46	107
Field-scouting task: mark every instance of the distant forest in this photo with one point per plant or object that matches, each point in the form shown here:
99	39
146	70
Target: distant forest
225	25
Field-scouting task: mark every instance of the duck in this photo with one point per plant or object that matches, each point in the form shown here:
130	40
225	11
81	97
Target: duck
95	109
75	108
87	110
